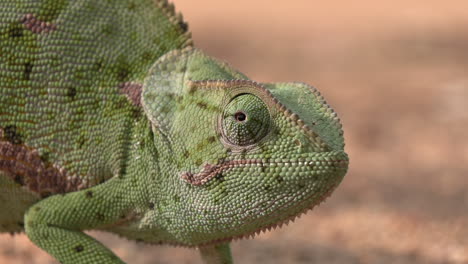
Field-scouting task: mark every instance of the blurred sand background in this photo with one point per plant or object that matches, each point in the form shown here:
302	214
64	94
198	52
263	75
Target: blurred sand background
397	73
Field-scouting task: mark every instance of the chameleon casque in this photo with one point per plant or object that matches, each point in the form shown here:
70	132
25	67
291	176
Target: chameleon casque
111	120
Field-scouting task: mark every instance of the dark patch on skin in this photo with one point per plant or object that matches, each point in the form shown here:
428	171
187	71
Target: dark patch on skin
186	154
18	179
202	105
279	179
301	185
122	73
151	206
147	56
179	99
100	217
78	248
89	194
262	167
136	113
108	30
176	198
205	143
219	177
16	31
25	166
46	194
131	6
183	26
50	225
81	141
132	91
98	65
276	132
267	188
71	92
12	135
192	89
243	153
142	143
37	26
198	162
297	142
216	200
45	156
27	71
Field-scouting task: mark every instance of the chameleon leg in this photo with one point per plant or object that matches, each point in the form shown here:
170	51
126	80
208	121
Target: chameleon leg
217	254
55	224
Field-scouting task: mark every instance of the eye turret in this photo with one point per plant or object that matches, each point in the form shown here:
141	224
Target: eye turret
246	120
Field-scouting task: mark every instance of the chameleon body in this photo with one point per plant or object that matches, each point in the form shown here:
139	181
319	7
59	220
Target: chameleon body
110	119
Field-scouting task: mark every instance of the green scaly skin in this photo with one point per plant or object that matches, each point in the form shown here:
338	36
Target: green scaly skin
111	120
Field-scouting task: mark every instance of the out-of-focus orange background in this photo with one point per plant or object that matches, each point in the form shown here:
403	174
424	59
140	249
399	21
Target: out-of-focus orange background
397	73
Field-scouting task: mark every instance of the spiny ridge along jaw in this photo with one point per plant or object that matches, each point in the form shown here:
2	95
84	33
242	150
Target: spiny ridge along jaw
280	224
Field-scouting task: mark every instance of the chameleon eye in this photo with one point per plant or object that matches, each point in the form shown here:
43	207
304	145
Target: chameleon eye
246	120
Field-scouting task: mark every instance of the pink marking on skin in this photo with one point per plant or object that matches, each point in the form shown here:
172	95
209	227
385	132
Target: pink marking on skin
25	166
132	91
37	26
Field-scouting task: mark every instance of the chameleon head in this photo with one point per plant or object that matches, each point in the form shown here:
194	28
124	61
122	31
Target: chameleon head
241	157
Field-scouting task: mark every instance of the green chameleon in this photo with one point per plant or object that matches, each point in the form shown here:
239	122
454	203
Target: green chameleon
111	120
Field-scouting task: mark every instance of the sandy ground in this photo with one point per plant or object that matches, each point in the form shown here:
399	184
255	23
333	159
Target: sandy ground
396	72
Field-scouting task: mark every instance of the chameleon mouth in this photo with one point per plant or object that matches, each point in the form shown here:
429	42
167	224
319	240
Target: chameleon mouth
210	171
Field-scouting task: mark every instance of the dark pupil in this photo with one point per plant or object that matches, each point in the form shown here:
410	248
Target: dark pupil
240	117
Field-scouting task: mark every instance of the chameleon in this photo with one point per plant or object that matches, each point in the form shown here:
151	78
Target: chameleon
111	119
